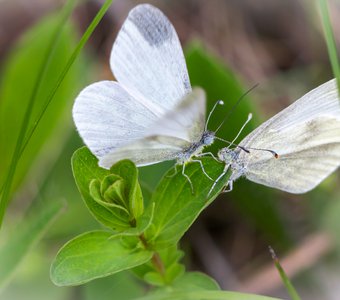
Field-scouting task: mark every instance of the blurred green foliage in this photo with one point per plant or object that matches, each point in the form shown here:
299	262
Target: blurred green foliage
18	79
19	76
24	238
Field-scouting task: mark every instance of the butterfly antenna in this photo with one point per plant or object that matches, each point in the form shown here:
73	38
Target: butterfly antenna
244	125
220	102
275	154
232	144
235	105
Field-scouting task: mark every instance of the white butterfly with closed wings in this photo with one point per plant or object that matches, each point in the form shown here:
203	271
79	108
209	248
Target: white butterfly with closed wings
303	143
151	114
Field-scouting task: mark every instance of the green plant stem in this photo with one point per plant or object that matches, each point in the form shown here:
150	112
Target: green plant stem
6	188
156	258
330	41
289	287
158	264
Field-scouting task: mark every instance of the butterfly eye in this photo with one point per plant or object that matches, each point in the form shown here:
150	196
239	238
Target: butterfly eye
208	140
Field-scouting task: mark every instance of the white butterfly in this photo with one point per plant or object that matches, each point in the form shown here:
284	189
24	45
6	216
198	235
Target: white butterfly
151	114
303	142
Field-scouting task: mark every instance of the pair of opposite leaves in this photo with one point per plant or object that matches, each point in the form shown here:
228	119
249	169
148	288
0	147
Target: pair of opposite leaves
152	114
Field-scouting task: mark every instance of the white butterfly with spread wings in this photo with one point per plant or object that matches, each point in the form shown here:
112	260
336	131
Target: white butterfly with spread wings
303	143
151	114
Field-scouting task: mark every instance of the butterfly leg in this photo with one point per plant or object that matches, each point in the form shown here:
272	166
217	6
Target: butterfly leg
188	178
218	179
172	175
207	154
203	170
229	187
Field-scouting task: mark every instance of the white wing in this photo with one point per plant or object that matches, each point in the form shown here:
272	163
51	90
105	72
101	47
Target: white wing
107	117
186	121
114	125
151	101
168	137
149	150
305	135
148	61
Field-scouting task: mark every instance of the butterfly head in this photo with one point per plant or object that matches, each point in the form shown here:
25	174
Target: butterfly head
208	137
227	155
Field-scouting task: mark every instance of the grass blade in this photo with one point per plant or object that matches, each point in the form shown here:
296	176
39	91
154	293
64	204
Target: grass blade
28	233
6	188
330	41
289	287
25	136
73	57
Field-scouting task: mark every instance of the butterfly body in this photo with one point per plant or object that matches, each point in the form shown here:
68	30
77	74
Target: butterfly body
196	148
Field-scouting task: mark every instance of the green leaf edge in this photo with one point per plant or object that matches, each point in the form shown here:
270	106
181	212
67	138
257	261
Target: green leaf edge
211	295
94	277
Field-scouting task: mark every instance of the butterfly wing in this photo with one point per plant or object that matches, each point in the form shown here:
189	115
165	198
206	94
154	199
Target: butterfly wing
160	142
146	151
107	117
148	61
305	135
186	121
114	125
149	65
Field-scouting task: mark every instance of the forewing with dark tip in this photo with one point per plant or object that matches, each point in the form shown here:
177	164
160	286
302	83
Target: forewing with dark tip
147	59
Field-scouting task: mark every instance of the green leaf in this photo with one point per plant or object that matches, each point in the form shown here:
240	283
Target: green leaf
93	255
112	187
105	196
195	281
191	281
172	269
121	286
109	194
142	223
203	295
85	169
128	171
28	233
93	180
176	207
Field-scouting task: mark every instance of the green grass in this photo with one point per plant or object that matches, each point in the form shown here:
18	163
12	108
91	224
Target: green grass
330	41
24	134
6	189
288	285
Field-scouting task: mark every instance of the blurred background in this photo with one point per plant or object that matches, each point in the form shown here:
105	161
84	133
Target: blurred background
230	45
